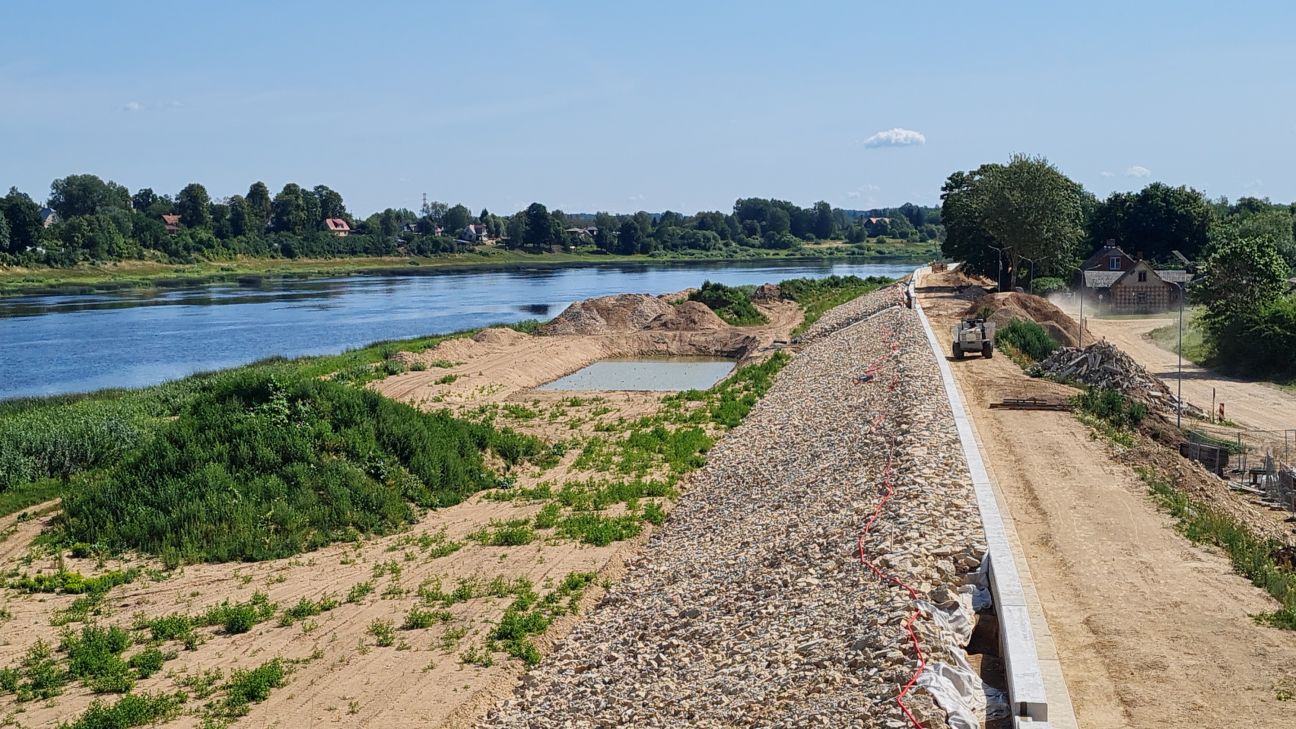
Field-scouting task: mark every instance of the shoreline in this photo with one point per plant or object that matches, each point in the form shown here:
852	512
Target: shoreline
133	275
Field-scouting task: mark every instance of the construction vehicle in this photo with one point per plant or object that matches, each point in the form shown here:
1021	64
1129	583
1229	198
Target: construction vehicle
973	335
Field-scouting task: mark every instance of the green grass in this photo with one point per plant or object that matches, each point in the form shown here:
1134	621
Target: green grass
266	465
1111	407
38	675
511	533
1251	555
72	583
819	295
731	303
307	608
530	615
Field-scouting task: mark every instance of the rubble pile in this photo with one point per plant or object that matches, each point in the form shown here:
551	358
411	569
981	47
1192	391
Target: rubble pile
1104	365
751	606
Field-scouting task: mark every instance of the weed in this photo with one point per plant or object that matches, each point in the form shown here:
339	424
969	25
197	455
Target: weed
447	379
240	617
512	533
202	683
306	608
359	591
1028	337
733	304
477	656
418	618
383	632
94	657
130	710
148	662
451	637
252	686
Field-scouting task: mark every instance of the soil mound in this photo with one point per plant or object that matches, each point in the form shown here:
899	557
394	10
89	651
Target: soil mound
1006	307
767	293
608	315
499	335
690	316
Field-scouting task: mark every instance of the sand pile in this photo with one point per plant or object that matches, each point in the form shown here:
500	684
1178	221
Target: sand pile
608	315
690	316
1009	306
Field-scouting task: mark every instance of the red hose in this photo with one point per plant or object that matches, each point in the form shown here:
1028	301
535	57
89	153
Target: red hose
887	474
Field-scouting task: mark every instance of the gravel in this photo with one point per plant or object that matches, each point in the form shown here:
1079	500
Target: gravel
751	607
853	311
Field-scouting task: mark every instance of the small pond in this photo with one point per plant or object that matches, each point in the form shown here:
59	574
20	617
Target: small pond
660	374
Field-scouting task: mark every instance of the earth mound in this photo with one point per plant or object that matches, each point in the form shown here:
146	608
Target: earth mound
690	316
1003	308
608	315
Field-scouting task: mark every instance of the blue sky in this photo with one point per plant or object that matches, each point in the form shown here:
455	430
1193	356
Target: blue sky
645	105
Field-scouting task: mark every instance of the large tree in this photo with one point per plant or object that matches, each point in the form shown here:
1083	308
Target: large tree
86	195
825	225
455	220
1241	274
23	218
1024	210
194	206
259	207
539	227
330	202
288	210
1154	221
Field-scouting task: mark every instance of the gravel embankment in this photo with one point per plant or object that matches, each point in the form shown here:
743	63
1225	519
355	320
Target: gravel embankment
751	607
852	311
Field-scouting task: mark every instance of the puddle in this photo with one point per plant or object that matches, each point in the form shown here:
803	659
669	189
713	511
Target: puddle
663	374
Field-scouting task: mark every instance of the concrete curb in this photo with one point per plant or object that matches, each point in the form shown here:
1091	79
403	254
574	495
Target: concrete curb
1026	692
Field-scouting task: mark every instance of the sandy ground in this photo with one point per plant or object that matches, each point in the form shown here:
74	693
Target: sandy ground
1151	630
1255	405
344	678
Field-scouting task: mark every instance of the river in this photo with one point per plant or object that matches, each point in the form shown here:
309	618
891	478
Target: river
54	344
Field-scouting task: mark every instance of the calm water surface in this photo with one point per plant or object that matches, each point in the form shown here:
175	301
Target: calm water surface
654	374
52	344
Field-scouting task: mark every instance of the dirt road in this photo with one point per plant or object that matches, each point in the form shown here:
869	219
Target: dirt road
1151	630
1250	404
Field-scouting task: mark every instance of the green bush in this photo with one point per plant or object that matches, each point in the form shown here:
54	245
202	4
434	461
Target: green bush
733	304
1047	285
1111	407
1028	337
818	295
263	466
94	657
252	686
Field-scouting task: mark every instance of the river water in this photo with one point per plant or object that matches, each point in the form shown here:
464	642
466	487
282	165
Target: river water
53	344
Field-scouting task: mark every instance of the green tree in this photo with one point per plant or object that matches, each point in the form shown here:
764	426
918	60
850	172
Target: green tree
23	218
485	217
238	216
288	211
1028	209
1241	274
144	199
86	195
539	227
4	235
330	203
825	225
629	236
259	207
455	220
1154	221
194	206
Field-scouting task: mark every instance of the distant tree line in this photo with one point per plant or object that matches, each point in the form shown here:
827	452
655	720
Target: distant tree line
97	220
1025	218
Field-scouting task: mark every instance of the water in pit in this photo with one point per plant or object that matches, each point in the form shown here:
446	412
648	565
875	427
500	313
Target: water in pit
660	374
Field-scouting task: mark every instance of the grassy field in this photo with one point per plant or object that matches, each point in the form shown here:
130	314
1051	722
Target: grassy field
148	274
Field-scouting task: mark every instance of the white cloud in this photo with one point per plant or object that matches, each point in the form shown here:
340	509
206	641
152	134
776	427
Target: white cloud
1105	173
132	106
1137	171
635	198
895	138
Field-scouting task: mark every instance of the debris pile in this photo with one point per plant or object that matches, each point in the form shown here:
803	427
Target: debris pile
1003	308
608	315
751	606
1104	365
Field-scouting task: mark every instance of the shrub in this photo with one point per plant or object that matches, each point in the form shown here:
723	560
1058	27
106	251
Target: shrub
733	304
262	467
94	657
1048	285
1028	337
252	686
1111	407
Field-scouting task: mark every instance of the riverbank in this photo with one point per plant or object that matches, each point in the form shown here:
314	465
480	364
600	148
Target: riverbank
124	275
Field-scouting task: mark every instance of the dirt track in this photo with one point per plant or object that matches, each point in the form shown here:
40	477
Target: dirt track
1250	404
1151	630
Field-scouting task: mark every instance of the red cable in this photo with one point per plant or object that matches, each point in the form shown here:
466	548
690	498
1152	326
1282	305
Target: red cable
887	473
